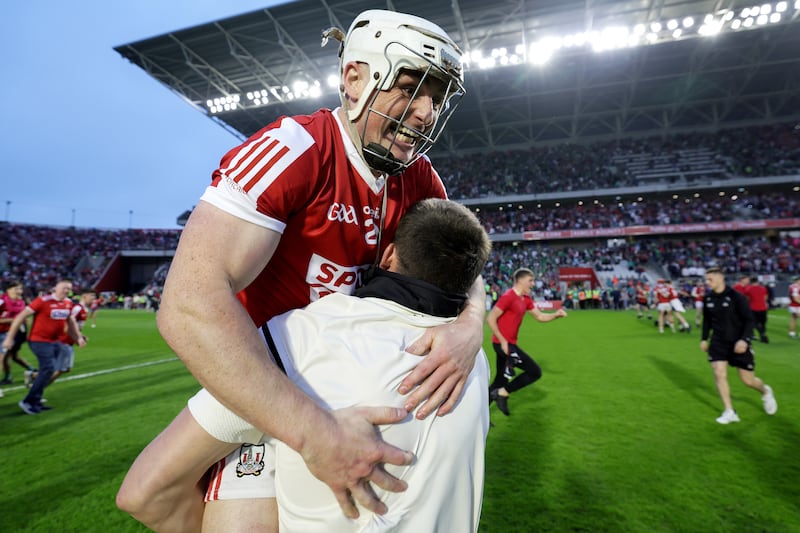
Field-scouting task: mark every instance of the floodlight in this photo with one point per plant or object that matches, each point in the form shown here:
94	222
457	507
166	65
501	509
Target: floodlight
236	98
775	18
226	106
264	94
766	9
249	95
745	13
688	22
672	24
476	56
748	22
762	19
729	15
655	27
677	33
504	60
652	37
257	101
639	29
333	81
285	89
708	19
209	103
736	24
514	59
780	7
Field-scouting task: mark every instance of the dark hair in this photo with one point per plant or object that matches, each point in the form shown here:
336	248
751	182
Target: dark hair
442	243
13	283
714	270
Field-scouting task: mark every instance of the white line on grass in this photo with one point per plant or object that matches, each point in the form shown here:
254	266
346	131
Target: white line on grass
101	372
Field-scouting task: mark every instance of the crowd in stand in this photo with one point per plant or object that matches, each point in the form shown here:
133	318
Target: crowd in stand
39	255
746	152
650	211
678	257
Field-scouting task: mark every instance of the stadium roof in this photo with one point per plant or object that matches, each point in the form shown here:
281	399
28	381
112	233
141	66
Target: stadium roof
748	73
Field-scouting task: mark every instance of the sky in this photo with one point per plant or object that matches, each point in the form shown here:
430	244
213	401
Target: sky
86	137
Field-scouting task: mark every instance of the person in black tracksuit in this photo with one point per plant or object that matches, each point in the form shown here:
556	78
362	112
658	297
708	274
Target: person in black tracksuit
727	314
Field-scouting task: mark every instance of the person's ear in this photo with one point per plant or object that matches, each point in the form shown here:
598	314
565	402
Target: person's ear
389	259
353	80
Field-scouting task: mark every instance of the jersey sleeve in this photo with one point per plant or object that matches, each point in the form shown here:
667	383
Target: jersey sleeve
268	177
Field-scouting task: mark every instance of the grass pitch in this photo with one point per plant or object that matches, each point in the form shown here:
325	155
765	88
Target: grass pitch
618	435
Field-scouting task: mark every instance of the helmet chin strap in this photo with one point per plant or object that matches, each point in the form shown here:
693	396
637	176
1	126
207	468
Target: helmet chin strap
382	159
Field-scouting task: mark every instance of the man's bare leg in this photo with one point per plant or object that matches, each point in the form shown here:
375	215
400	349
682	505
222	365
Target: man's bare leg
241	516
163	487
721	379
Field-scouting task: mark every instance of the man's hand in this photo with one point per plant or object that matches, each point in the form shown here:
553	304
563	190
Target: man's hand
350	455
561	313
740	346
442	374
704	346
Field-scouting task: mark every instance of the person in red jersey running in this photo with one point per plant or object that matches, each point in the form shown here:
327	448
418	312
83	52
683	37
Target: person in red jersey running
51	318
504	320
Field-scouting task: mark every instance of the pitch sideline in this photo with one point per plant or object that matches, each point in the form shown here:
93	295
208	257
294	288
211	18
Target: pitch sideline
101	372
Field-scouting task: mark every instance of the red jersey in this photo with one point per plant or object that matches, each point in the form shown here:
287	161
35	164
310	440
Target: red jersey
757	296
641	295
514	308
794	295
9	308
50	318
302	177
698	292
663	293
80	314
741	289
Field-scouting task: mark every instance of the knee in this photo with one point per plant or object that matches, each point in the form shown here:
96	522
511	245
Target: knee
131	499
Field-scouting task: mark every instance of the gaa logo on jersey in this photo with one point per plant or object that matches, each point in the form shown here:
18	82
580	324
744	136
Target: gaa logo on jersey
325	276
342	213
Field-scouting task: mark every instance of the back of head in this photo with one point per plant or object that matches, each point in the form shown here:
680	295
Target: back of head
442	243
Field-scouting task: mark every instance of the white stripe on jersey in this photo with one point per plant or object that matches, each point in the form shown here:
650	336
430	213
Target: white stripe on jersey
269	148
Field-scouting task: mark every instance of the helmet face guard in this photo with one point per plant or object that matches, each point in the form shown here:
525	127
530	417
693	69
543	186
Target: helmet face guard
390	42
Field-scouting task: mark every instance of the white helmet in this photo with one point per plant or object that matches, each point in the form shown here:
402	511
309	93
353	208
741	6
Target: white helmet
389	42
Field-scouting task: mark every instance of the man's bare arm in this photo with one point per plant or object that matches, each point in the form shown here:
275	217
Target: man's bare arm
210	331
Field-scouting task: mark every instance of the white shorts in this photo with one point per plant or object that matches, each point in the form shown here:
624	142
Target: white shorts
246	473
249	471
794	310
698	304
677	305
664	306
